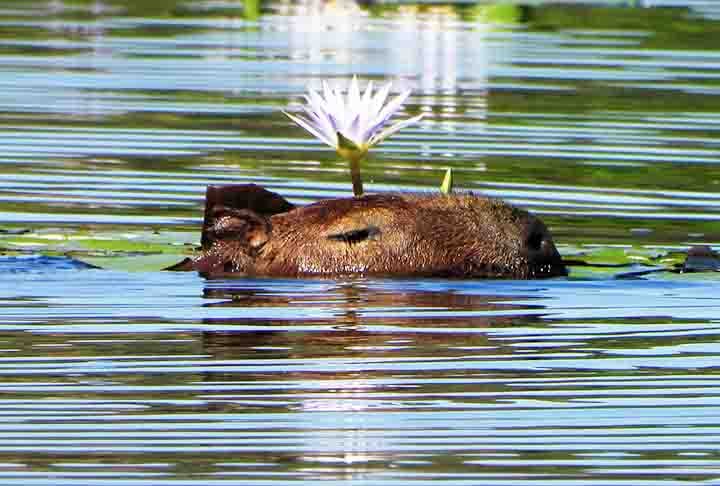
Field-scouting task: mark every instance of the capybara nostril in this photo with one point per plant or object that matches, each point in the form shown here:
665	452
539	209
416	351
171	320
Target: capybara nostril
535	240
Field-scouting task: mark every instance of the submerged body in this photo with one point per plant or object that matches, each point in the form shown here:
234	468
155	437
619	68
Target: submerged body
251	231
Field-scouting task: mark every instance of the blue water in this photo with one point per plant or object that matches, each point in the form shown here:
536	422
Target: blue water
114	117
262	381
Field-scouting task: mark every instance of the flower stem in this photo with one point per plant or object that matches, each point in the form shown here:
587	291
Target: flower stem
355	176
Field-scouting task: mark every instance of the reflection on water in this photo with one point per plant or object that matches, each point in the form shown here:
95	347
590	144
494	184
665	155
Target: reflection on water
568	119
114	116
401	382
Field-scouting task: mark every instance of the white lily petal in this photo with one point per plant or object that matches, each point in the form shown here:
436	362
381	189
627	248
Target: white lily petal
367	95
308	126
334	105
340	110
391	107
376	139
354	131
319	106
354	97
337	123
321	123
379	100
318	116
316	101
366	106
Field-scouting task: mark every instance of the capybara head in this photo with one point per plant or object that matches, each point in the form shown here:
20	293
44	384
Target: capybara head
249	230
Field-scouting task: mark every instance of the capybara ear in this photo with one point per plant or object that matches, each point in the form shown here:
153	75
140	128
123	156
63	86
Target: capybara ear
251	197
242	226
246	196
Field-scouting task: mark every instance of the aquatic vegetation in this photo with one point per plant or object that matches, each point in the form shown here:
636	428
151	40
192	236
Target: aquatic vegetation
352	123
113	248
447	184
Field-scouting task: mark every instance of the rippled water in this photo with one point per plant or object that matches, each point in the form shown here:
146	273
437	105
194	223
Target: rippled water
115	116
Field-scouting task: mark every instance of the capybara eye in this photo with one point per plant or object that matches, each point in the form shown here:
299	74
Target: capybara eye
355	236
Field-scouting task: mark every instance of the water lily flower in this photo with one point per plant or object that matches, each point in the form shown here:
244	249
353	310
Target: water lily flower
354	123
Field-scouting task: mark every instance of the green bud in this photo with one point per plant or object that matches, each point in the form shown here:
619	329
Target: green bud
447	183
349	150
345	143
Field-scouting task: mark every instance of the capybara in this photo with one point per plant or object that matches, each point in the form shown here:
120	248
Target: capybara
251	231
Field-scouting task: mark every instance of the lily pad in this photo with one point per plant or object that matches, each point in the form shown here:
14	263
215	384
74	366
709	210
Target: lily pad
119	249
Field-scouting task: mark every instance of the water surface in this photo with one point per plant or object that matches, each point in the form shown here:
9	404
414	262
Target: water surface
115	116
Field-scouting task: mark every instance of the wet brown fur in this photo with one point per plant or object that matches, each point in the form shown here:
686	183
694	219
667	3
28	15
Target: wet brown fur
460	235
